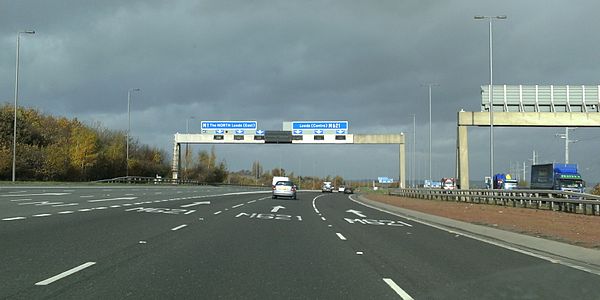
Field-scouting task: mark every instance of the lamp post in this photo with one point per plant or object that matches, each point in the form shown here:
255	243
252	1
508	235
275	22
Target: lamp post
491	89
187	145
429	85
414	142
14	158
129	125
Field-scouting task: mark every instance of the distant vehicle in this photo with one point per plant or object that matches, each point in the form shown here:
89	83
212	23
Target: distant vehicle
448	183
563	177
432	184
284	189
348	190
505	182
341	189
326	187
279	178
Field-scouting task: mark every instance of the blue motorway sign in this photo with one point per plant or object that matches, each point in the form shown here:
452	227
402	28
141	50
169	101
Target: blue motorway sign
323	125
385	180
228	125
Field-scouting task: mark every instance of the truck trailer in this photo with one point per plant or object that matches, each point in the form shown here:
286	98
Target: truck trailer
562	177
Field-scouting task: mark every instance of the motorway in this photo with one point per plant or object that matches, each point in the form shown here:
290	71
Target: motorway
225	242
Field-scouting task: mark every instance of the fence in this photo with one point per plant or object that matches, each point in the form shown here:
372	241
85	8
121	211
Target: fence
164	181
538	199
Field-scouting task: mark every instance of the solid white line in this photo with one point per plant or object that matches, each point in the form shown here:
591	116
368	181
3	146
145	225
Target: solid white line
66	273
113	199
397	289
218	212
13	218
343	238
42	215
483	239
236	206
178	227
196	203
313	203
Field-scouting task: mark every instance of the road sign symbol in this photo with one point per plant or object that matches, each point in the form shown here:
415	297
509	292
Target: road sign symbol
297	131
219	131
318	131
260	132
340	131
239	131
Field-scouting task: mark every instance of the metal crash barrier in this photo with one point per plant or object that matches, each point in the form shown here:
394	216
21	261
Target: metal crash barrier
572	202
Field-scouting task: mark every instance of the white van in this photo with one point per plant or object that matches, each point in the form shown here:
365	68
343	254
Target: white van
279	178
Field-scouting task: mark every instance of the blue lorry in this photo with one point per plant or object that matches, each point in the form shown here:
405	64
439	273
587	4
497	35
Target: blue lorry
504	182
563	177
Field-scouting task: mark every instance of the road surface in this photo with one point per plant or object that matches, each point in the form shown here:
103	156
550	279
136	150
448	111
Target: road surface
233	243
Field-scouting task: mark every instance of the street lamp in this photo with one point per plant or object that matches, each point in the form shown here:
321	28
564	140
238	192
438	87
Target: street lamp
187	149
14	158
491	89
129	125
429	85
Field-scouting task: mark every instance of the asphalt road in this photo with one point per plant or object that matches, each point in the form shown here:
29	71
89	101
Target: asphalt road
207	242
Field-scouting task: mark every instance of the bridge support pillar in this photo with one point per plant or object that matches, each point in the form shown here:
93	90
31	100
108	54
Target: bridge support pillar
462	156
176	160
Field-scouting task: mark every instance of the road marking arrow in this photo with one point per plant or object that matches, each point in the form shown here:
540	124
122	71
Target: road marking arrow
196	203
356	212
277	208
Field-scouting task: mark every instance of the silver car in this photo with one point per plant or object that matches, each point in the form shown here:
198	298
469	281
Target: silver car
284	189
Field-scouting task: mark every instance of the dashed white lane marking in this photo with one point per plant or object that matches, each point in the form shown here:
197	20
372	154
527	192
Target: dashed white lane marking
113	199
13	218
251	201
323	218
66	212
66	204
14	200
397	289
84	209
41	215
218	212
343	238
236	206
66	273
189	212
359	253
115	206
178	227
86	196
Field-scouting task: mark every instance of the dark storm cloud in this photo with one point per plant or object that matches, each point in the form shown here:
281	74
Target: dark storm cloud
362	61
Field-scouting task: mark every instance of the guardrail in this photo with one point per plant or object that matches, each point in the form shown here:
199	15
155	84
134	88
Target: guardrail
167	181
572	202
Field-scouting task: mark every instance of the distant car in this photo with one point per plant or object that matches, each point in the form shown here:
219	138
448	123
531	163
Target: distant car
326	187
284	189
341	188
348	190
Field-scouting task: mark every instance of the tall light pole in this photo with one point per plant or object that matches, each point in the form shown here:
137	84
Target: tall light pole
187	145
412	166
567	141
14	158
429	85
129	125
491	89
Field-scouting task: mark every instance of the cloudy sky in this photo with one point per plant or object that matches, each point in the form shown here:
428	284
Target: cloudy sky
275	61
